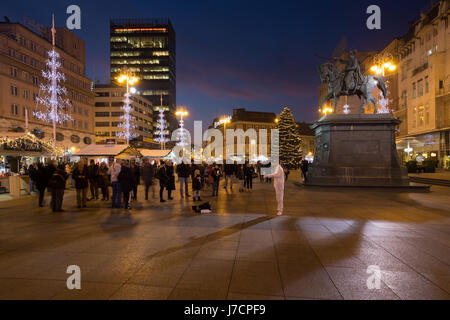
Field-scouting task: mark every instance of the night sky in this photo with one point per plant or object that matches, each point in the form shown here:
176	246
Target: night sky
254	54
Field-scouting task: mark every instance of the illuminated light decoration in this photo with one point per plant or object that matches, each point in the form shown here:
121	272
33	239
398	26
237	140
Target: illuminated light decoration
408	150
161	132
30	142
346	109
383	103
128	121
327	110
52	95
182	132
289	140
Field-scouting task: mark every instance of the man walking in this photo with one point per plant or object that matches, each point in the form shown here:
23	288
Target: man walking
147	174
114	171
183	176
230	170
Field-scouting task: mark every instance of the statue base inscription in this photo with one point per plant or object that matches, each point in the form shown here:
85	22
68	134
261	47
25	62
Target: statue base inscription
357	150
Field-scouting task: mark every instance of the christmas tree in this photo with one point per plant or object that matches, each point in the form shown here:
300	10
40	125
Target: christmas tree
53	95
290	141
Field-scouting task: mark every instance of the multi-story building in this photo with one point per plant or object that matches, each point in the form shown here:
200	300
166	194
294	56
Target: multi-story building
424	87
245	120
108	110
147	48
23	55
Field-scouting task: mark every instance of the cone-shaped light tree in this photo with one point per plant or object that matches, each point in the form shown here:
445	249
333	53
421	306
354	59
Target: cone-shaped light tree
289	139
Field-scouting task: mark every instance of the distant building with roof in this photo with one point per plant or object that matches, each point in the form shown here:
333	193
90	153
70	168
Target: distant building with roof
308	137
245	120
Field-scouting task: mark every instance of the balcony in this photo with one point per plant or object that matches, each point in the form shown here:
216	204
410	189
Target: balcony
420	69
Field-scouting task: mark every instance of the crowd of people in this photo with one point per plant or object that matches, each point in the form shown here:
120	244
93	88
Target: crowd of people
119	181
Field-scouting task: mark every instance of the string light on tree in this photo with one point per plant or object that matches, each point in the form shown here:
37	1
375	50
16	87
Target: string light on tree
289	140
53	94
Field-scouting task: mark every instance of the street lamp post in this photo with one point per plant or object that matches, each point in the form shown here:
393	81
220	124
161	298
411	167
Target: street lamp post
130	79
225	121
382	63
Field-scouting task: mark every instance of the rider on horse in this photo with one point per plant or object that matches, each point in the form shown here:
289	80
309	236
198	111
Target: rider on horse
352	77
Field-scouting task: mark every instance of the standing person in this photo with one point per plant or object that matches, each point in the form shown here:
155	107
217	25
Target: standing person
279	187
114	171
31	172
127	182
197	184
286	173
230	171
170	179
42	177
103	181
136	171
163	180
57	183
92	175
80	175
304	168
183	172
147	174
240	174
216	174
249	171
258	168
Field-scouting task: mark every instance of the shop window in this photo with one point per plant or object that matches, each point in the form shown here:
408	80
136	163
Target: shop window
75	139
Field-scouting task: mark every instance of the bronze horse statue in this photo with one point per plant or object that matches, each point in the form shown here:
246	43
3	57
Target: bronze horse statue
331	75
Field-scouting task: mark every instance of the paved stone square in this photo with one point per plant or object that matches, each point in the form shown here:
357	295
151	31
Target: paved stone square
320	249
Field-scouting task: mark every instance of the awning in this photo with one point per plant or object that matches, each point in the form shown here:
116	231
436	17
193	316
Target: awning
120	151
26	144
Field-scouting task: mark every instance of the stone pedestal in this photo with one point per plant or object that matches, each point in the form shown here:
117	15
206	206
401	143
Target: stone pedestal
357	150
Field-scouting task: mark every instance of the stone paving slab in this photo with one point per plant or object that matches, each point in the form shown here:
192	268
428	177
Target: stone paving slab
320	249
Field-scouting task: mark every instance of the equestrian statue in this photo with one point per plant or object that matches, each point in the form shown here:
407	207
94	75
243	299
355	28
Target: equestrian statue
351	82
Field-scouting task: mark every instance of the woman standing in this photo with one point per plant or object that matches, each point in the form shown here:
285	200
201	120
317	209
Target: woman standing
81	183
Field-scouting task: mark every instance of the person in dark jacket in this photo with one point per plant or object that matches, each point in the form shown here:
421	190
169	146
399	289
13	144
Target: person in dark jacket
249	171
103	181
31	172
147	174
230	171
57	183
163	180
136	171
304	168
170	179
80	174
240	175
42	177
197	184
216	174
127	181
183	172
92	175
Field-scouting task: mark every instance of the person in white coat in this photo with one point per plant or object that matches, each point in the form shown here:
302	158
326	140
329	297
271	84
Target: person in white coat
278	184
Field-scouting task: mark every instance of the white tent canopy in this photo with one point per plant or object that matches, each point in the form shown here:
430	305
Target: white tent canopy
148	153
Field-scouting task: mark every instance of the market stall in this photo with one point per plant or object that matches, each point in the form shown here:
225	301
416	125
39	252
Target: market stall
107	153
16	150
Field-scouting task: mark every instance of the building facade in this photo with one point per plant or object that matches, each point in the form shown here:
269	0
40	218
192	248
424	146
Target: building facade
108	110
424	86
147	48
307	135
245	120
23	55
